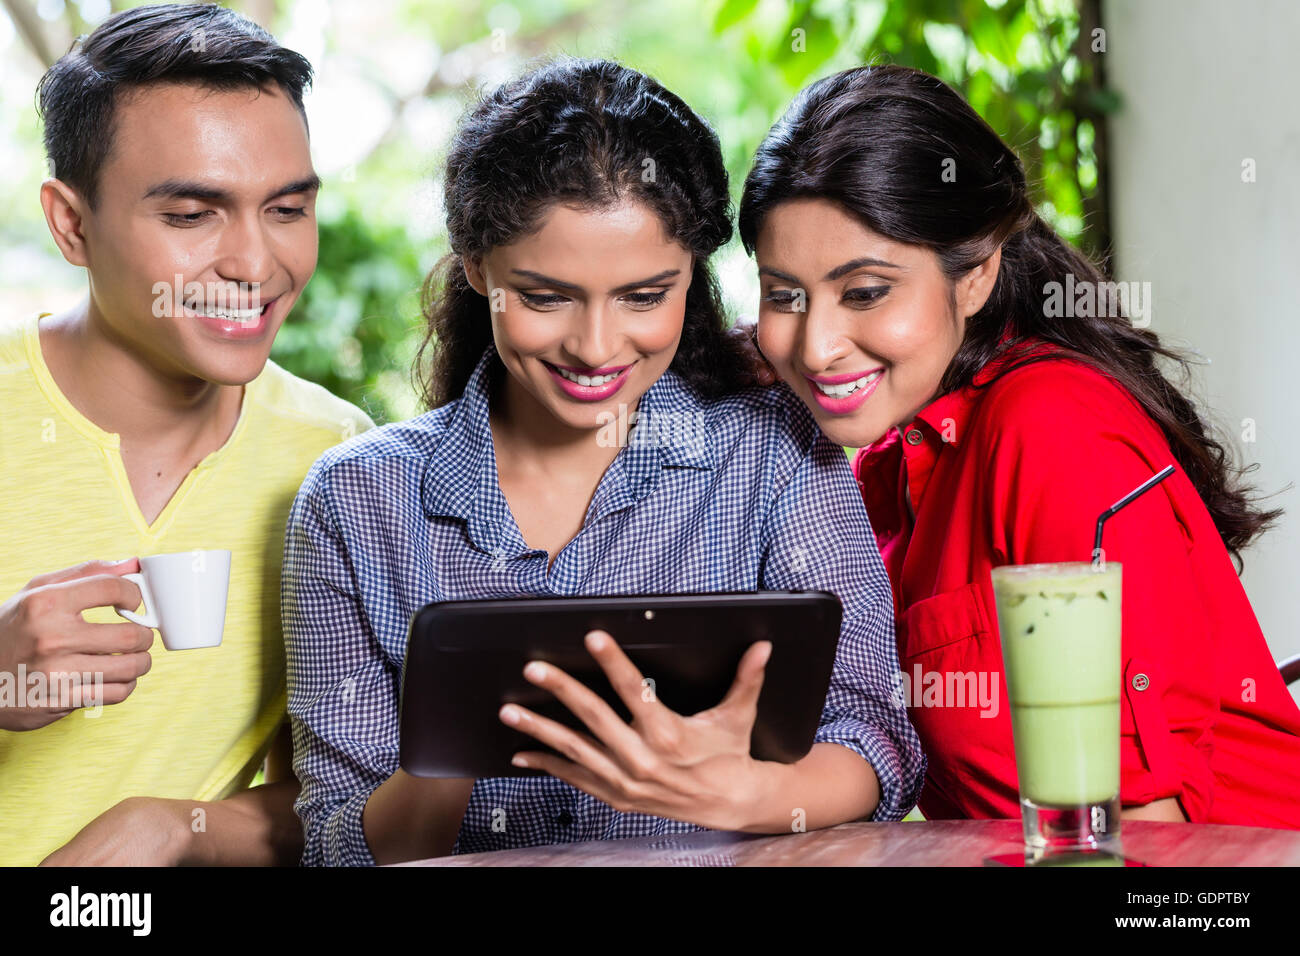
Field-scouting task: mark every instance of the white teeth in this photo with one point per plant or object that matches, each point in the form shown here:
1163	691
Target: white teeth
586	379
847	388
242	316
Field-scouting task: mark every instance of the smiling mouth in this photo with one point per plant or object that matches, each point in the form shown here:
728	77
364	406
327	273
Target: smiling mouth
237	316
241	316
589	377
845	389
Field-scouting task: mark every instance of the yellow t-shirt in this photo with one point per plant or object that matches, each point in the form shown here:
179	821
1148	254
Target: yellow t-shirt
199	723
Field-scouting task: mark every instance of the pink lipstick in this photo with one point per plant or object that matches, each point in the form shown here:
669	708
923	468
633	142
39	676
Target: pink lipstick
590	392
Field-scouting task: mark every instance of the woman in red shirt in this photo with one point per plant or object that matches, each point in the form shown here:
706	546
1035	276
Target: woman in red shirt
1002	399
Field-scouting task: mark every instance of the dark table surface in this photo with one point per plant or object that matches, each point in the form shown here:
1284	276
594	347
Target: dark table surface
930	843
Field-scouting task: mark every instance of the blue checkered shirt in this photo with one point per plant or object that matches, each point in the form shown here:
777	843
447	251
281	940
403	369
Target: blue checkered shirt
746	495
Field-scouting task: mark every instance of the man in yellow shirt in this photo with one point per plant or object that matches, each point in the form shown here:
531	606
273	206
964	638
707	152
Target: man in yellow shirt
150	420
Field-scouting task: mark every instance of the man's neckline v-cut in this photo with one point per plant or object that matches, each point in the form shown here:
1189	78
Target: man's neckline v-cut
110	442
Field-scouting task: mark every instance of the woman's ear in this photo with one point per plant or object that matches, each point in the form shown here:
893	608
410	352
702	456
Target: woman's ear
474	274
975	287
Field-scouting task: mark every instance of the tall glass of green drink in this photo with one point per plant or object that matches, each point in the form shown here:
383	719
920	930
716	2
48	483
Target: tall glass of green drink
1060	631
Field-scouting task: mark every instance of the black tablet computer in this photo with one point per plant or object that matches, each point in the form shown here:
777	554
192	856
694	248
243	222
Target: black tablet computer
465	659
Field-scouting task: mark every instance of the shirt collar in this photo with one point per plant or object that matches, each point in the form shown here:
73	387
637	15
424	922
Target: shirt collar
464	453
674	424
948	413
670	430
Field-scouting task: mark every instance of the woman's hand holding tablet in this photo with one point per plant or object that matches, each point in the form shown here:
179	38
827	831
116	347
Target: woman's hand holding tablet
696	768
702	708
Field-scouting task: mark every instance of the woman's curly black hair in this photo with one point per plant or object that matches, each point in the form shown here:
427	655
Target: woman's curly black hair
874	140
584	133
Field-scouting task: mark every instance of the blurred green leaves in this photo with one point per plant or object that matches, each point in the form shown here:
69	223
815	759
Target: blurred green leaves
1019	63
354	327
1027	66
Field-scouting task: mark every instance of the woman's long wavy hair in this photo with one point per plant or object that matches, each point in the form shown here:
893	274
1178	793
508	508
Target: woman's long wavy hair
875	140
583	133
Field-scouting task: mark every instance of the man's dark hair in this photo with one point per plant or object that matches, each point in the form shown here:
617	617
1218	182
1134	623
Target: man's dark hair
203	44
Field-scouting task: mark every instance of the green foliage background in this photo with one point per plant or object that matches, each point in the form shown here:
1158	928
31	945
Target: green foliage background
1028	66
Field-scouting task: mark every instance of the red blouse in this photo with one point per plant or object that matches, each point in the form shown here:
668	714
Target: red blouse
1017	473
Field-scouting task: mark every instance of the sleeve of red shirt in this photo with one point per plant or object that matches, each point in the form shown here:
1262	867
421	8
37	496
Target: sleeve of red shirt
1066	443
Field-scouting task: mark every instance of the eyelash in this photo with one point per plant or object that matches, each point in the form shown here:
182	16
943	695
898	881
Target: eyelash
866	296
184	219
644	300
648	299
543	301
861	298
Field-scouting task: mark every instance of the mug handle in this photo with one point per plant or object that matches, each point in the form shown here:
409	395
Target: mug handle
150	616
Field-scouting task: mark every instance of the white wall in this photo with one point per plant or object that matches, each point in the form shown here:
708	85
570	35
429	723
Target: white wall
1206	85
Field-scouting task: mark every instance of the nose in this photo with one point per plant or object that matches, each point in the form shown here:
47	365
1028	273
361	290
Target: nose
593	339
245	254
822	341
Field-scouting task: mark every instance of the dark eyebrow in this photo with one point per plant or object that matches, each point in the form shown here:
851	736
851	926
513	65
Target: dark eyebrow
188	189
840	272
545	280
657	279
308	184
557	284
778	274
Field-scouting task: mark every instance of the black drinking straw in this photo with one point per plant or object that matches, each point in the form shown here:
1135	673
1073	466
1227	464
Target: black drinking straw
1097	562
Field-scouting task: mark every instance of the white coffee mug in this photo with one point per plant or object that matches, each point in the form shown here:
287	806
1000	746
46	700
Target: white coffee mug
184	597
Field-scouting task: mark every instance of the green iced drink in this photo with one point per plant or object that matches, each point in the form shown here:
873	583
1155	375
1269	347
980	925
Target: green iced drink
1060	631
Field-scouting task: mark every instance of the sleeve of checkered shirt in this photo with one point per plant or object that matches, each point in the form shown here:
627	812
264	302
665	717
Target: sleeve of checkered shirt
342	688
817	537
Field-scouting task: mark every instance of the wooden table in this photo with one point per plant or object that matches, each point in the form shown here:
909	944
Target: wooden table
936	843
